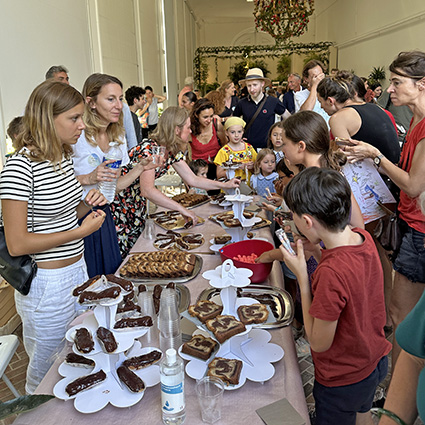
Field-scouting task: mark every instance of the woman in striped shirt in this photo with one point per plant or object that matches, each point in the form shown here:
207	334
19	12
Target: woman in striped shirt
41	203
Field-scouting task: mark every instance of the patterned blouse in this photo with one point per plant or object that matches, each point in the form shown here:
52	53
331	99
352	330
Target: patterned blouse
129	207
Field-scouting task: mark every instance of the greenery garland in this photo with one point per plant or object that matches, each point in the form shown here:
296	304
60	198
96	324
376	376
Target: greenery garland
243	52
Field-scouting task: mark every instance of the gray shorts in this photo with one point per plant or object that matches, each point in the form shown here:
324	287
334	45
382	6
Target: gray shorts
410	261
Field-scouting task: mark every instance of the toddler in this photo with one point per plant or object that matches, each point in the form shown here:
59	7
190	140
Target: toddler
200	169
264	173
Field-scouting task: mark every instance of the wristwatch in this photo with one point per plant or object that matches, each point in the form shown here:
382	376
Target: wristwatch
377	160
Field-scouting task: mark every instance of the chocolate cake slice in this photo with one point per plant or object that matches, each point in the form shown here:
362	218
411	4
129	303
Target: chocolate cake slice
124	283
77	291
107	294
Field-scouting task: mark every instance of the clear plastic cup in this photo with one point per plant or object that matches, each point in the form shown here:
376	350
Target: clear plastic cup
210	396
145	301
149	230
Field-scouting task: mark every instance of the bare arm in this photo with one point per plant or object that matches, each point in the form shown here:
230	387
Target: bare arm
220	133
320	333
149	191
345	123
20	242
401	396
160	98
356	219
308	105
192	180
144	165
412	183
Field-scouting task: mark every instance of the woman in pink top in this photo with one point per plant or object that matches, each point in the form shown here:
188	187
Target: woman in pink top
207	134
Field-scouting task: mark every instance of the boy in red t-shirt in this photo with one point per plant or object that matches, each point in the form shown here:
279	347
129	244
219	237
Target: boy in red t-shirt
344	312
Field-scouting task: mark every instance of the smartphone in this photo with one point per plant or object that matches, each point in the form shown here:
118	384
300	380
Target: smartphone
280	233
341	141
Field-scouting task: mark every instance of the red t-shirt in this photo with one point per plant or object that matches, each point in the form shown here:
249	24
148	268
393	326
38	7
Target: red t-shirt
409	207
207	151
348	286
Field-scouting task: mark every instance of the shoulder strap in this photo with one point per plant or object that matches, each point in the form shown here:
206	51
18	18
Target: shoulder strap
260	106
215	124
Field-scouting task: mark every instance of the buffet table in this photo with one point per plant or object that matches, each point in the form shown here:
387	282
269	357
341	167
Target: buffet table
239	406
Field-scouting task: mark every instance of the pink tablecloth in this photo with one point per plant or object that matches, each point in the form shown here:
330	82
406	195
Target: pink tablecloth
238	406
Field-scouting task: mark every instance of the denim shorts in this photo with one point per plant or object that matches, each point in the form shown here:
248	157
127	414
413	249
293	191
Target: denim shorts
410	261
339	405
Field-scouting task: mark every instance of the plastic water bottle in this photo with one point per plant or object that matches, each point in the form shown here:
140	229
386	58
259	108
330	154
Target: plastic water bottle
108	188
170	335
172	388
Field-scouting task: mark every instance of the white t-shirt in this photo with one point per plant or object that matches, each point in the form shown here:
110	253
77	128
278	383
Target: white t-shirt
301	96
87	157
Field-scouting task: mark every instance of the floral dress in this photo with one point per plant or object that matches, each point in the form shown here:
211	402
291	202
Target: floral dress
129	207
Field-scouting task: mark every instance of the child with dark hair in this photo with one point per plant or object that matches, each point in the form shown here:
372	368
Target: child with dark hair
14	128
344	311
199	168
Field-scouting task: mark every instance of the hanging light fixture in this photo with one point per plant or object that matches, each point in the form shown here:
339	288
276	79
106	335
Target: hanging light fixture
283	19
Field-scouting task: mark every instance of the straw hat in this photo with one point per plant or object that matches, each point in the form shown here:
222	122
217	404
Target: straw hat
255	74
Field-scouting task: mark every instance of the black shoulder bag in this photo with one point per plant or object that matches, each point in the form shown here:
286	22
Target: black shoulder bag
18	271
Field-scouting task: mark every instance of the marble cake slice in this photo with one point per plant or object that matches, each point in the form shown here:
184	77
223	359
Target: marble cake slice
253	314
200	347
228	370
205	310
224	327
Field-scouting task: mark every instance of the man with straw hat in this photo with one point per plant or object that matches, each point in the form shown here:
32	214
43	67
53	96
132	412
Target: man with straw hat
258	110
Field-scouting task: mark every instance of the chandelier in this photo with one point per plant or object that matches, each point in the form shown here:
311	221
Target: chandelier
283	19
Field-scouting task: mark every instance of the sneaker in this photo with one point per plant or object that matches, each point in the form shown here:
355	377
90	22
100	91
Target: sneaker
303	347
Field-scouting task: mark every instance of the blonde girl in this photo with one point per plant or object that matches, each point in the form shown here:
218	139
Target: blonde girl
262	181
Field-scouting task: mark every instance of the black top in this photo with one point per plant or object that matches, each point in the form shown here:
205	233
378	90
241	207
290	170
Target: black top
378	130
229	111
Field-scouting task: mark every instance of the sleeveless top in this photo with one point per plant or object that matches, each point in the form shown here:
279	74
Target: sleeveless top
377	130
207	151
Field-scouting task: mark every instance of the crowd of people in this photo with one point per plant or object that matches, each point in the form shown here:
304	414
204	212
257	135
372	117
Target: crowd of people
290	148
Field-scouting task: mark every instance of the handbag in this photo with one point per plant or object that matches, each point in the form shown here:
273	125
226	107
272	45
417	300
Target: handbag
387	231
18	271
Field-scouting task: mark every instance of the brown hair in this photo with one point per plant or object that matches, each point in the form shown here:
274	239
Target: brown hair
165	132
311	128
217	99
278	124
92	87
198	107
14	128
340	87
411	64
261	155
47	101
312	64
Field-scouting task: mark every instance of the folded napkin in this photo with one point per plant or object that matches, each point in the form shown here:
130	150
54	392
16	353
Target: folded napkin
280	412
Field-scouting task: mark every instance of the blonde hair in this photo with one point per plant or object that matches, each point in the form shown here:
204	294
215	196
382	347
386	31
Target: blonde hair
165	132
261	155
92	87
47	101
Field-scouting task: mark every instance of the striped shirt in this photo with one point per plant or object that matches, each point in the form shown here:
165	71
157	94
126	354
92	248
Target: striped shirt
56	195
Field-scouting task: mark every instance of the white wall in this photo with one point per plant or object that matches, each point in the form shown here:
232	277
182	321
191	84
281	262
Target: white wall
34	35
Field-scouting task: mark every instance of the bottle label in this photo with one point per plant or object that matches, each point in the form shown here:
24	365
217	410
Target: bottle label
115	165
172	398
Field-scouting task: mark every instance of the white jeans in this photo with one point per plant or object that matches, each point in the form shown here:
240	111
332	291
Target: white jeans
46	313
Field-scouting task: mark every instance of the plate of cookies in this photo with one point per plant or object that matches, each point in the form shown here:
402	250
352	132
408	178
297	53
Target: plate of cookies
191	200
174	240
161	267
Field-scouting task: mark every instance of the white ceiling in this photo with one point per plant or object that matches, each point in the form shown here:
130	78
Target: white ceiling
207	10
